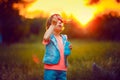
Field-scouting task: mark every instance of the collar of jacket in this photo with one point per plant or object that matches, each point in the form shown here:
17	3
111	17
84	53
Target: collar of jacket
53	39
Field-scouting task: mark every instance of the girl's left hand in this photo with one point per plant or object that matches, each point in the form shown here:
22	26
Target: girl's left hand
70	46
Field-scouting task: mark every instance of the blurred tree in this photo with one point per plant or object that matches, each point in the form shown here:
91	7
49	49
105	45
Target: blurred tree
9	19
13	26
110	28
91	2
105	27
73	29
36	25
93	27
118	1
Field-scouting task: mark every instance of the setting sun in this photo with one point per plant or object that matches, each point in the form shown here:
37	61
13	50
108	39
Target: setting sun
78	8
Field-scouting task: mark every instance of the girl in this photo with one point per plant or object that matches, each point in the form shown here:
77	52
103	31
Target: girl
57	49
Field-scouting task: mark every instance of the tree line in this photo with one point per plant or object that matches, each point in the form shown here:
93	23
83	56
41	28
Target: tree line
103	27
14	27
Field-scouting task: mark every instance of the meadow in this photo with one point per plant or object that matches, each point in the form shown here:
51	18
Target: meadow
16	60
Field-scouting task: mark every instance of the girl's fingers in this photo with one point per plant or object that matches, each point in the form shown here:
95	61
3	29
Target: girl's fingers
54	20
70	46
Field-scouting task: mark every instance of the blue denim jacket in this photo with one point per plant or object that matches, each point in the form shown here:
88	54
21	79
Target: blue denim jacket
52	54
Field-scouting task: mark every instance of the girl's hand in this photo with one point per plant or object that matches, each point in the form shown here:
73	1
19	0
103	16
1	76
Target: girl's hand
70	46
54	21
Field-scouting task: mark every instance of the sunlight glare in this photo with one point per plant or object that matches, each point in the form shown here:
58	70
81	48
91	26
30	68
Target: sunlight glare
78	8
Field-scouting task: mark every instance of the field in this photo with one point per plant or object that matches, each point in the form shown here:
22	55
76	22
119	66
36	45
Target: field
16	60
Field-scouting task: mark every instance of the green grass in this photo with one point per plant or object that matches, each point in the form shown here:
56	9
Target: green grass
85	53
16	61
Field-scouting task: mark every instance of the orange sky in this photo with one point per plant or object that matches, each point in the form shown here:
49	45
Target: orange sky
78	8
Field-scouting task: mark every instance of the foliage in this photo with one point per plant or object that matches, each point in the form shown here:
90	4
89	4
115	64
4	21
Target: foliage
105	27
10	21
14	28
73	30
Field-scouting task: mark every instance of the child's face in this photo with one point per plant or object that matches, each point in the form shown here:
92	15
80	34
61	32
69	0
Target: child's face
59	23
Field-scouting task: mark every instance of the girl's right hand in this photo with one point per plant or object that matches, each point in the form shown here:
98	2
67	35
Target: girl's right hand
54	21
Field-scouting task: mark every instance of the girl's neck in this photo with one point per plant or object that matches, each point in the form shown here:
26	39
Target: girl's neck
56	34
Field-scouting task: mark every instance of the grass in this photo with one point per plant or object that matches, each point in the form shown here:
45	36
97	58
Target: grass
16	62
85	53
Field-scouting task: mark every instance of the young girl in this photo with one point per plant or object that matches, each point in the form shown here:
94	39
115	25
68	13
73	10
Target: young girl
57	49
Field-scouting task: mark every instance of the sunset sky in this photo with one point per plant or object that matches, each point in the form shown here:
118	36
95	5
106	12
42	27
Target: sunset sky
83	10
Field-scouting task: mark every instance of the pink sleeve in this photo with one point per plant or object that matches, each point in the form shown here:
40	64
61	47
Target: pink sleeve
45	42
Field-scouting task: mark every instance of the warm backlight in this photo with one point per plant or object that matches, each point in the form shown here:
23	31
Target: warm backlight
77	8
